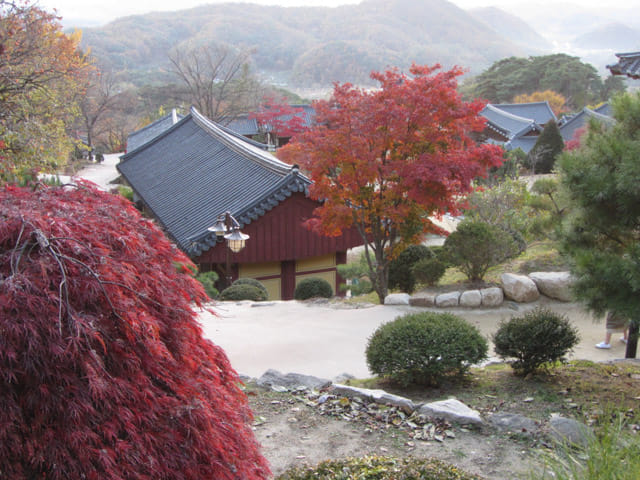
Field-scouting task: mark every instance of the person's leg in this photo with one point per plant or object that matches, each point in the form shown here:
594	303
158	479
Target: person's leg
607	341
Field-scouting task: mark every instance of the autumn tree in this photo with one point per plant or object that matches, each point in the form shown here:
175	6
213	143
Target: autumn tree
97	102
104	373
277	119
602	233
218	79
384	160
40	68
556	101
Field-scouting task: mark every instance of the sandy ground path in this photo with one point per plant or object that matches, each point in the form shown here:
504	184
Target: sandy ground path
326	340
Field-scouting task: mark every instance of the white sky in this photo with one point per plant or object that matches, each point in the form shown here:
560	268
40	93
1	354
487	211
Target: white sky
96	12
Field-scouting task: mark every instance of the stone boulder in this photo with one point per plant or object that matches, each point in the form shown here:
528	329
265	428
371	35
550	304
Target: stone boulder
514	423
568	430
290	381
519	288
378	396
422	300
553	284
397	299
492	297
471	298
451	410
451	299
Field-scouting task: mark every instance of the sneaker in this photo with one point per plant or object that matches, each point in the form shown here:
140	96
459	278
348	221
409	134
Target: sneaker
603	345
623	340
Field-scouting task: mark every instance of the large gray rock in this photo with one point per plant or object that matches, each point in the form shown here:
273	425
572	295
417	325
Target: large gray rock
397	299
514	423
471	298
519	288
553	284
451	410
492	297
290	381
422	300
568	430
378	396
451	299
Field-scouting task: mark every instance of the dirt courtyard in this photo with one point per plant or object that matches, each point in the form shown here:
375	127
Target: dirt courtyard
329	339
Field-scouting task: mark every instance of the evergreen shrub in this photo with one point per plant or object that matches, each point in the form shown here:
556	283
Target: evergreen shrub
378	468
313	287
254	282
400	274
208	281
536	338
476	246
421	348
428	270
243	292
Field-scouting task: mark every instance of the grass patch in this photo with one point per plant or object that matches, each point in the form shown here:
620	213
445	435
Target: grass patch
580	389
538	257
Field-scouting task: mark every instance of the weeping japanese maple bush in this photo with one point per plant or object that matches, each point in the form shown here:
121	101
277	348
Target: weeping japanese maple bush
104	372
384	161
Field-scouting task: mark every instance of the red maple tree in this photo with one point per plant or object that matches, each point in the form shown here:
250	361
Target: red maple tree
104	373
278	119
385	160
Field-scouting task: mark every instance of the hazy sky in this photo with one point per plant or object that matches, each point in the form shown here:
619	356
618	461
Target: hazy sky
95	12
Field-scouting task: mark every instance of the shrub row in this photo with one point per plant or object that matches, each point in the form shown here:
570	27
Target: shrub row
425	347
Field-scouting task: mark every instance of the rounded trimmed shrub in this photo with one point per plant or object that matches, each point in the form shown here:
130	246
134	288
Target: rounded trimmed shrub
476	246
208	281
421	348
538	337
378	468
428	270
313	287
243	292
254	282
400	274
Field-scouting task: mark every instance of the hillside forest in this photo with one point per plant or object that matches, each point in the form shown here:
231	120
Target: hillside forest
112	83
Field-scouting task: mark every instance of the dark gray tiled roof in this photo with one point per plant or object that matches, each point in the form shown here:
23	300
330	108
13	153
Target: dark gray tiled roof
196	170
539	112
243	125
628	64
526	143
507	124
151	131
580	120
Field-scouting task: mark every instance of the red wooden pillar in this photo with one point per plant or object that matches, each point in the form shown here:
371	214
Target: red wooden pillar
288	279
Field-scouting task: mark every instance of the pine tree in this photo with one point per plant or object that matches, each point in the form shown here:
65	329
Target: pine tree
549	145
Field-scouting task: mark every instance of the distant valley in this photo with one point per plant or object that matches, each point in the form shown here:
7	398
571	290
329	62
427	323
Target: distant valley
311	47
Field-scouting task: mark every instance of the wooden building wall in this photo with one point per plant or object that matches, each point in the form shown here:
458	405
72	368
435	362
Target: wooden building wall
281	250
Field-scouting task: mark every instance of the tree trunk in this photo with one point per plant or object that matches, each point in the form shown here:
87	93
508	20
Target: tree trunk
632	342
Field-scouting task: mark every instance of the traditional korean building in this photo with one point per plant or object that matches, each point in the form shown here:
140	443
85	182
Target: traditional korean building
516	125
570	124
197	170
151	131
628	64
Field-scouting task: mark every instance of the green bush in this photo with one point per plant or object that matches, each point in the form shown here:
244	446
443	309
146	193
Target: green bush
428	270
400	275
208	281
356	271
421	348
313	287
378	468
476	246
126	192
243	292
254	282
534	339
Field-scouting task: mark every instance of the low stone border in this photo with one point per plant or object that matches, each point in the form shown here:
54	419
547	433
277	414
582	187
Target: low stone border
517	288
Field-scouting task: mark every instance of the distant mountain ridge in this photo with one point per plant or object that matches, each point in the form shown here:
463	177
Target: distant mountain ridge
512	27
306	45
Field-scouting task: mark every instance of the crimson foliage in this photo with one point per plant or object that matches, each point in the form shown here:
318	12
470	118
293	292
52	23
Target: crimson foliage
104	373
